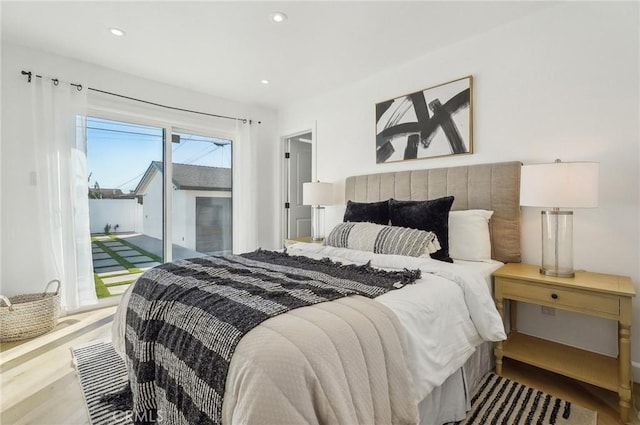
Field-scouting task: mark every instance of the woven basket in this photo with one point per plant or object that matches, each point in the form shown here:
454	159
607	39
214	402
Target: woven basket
29	315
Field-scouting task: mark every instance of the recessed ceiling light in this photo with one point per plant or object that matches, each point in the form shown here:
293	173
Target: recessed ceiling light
278	17
264	81
116	31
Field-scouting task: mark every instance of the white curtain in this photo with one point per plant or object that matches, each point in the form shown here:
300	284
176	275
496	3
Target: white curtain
245	183
61	179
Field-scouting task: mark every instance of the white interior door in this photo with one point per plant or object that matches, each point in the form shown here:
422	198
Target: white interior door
299	172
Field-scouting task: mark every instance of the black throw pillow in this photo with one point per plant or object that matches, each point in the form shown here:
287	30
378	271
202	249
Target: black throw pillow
432	216
372	212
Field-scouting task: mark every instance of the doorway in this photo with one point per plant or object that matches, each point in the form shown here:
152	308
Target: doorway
213	225
297	164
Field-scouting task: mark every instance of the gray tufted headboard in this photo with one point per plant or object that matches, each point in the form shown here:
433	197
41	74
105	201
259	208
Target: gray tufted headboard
493	187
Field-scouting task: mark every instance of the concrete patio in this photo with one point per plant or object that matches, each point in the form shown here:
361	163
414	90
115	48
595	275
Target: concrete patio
154	246
119	259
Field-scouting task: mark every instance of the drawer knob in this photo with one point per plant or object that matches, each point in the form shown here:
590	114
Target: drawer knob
554	296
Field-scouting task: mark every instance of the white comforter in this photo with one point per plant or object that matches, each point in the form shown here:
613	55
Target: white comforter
445	314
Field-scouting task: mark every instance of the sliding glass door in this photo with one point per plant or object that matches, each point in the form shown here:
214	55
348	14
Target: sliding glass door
143	212
125	193
202	195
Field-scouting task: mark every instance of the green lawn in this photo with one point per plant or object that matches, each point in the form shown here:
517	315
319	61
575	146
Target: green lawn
102	290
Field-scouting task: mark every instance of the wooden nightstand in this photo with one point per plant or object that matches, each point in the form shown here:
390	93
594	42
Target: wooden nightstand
307	239
601	295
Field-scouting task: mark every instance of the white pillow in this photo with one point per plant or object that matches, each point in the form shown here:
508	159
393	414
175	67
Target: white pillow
469	237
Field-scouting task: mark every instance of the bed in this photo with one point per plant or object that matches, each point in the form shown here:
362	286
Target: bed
411	355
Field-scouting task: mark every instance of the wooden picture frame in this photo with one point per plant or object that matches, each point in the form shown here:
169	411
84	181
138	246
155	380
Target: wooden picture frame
429	123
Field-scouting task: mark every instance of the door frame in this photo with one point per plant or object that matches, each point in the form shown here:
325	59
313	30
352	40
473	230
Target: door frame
284	171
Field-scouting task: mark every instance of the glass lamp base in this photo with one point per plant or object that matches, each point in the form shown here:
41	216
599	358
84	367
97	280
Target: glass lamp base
556	273
557	243
317	224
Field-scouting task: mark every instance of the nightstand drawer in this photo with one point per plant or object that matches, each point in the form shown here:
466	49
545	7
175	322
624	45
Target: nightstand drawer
561	298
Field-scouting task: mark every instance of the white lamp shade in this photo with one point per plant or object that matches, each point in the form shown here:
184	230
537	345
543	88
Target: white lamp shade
316	193
560	185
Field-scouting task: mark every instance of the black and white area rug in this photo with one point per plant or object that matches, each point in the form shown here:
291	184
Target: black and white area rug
101	371
501	401
496	400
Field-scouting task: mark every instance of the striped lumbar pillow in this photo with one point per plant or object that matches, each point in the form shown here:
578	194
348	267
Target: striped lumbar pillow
383	239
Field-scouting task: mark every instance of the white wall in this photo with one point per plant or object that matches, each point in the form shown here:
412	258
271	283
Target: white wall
22	271
152	221
183	219
559	84
183	211
126	213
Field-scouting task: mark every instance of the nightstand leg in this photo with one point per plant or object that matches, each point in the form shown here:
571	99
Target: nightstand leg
624	387
498	350
513	315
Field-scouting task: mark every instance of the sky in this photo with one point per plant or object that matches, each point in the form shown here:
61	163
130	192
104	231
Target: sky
119	153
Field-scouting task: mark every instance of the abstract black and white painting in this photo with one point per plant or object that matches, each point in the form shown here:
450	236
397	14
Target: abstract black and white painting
433	122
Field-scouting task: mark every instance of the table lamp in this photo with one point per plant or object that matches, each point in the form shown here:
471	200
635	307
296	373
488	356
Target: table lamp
317	195
559	185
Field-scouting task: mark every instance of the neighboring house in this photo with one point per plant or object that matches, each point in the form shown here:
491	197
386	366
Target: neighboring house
201	206
100	193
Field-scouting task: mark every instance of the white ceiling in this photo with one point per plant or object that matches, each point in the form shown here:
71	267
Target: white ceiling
226	48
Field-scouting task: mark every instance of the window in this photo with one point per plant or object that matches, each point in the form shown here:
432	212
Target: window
127	198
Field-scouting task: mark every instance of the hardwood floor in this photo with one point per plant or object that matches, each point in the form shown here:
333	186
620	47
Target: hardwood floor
39	385
594	398
38	382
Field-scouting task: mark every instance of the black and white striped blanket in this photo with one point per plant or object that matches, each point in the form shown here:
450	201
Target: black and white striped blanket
185	319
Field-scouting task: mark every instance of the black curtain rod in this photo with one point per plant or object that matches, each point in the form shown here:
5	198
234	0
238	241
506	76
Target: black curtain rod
79	87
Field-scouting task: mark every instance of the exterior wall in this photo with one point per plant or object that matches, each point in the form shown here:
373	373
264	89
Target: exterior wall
183	209
152	208
126	213
183	219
